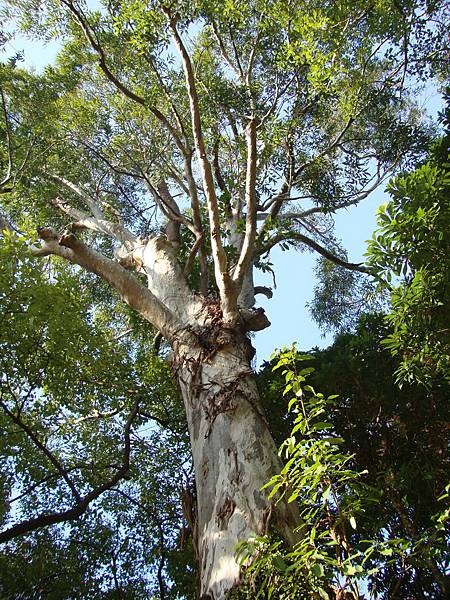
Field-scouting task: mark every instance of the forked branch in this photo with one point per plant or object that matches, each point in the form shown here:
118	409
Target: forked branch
224	282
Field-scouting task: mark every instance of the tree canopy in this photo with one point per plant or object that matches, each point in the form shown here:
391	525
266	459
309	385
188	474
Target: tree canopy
145	176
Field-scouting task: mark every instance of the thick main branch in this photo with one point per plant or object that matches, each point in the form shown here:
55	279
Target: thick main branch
127	285
224	282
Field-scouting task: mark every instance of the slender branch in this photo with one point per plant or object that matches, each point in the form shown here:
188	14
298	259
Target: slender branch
251	204
326	151
196	215
239	74
8	175
43	448
236	54
165	424
351	200
39	483
217	172
276	203
85	221
87	199
117	585
299	237
167	94
96	46
167	204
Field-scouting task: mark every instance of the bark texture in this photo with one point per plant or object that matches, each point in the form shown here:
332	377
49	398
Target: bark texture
233	452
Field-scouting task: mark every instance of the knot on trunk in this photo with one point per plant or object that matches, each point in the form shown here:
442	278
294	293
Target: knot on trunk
254	319
225	512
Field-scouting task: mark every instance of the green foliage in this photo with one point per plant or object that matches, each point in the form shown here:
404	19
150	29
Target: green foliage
348	479
410	255
66	390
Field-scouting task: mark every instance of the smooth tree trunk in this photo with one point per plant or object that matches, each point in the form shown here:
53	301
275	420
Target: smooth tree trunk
233	452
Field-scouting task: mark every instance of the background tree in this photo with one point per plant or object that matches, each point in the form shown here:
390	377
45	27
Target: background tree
383	452
292	112
410	253
397	437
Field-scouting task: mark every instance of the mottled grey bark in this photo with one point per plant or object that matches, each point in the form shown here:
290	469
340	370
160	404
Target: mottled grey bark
233	452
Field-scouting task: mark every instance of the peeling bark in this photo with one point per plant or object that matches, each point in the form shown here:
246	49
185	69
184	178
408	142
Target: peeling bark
234	455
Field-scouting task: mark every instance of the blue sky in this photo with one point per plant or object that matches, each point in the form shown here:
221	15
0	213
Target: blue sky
295	281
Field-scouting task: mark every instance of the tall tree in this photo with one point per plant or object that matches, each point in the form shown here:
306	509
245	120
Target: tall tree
244	126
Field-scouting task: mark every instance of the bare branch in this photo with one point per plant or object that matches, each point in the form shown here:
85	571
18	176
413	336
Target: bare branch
265	291
238	72
167	94
236	54
9	149
299	237
192	254
251	204
87	199
224	282
167	204
85	221
127	285
195	206
276	203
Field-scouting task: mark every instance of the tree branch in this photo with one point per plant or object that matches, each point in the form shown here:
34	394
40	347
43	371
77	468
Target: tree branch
80	507
224	282
127	285
299	237
237	71
251	204
94	42
9	150
85	221
87	199
324	152
43	448
196	215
